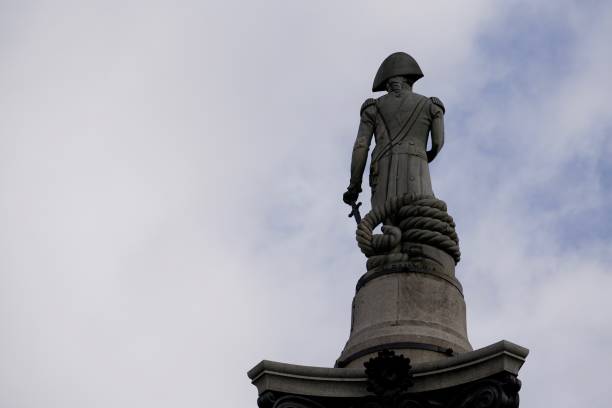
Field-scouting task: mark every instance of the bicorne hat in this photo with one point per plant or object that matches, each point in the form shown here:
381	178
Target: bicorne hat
396	64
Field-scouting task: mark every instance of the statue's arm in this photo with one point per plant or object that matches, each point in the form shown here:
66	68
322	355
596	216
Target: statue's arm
437	128
360	149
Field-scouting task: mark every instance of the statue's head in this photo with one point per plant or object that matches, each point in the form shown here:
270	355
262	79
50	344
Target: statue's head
397	67
398	83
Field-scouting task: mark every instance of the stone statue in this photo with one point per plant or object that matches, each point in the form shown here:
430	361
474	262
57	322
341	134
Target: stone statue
402	197
408	315
400	122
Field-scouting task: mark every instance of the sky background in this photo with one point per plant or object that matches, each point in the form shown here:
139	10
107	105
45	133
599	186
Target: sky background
171	176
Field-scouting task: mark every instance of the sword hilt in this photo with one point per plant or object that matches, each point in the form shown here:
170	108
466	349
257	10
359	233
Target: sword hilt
355	211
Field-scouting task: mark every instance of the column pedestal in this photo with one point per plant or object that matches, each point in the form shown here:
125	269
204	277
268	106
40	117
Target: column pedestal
415	308
484	378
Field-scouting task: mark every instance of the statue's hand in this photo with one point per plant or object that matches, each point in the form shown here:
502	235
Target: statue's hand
351	195
431	154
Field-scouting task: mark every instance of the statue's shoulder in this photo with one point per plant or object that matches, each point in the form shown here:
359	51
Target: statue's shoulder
417	96
438	102
368	102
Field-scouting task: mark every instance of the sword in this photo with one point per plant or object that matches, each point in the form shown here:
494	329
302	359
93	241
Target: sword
355	211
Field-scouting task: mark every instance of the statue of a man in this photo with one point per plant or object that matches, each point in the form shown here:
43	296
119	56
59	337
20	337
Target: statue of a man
400	122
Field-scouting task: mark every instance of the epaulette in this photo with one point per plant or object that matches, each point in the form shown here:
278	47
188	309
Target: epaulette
438	102
368	102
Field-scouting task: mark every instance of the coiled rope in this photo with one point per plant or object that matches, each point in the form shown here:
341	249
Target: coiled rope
422	220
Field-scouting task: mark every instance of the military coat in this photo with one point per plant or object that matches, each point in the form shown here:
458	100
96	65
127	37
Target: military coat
400	124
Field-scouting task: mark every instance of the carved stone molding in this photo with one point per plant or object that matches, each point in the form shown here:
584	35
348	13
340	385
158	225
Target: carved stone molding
292	401
484	378
495	392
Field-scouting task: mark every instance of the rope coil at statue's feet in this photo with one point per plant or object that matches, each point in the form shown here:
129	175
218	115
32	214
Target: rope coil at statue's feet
407	220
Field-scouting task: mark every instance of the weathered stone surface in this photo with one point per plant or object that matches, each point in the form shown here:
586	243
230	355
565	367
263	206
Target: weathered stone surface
410	308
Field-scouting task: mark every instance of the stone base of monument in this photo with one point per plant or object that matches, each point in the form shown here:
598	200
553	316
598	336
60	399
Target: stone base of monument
415	308
482	378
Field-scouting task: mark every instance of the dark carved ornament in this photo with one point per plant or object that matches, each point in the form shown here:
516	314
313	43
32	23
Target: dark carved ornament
502	392
498	392
390	382
271	400
388	374
266	400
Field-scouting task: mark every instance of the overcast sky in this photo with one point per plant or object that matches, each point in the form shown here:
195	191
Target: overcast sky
171	176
